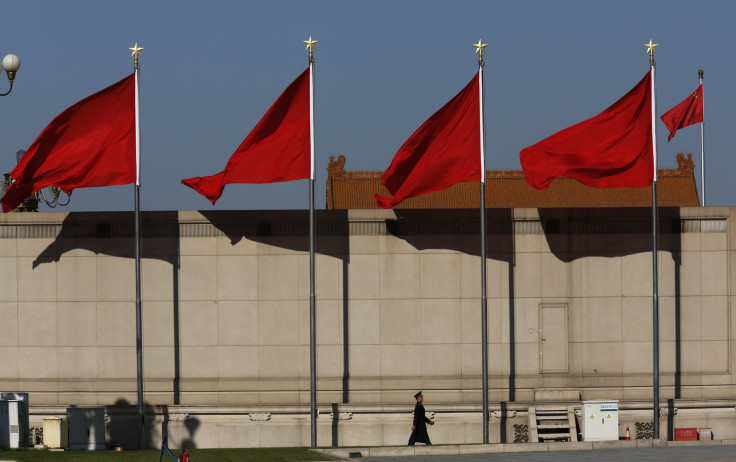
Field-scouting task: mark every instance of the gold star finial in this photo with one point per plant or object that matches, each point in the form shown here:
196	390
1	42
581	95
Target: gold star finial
310	44
651	47
480	47
136	50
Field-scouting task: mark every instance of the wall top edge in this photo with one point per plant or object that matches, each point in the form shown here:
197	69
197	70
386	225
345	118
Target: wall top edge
205	216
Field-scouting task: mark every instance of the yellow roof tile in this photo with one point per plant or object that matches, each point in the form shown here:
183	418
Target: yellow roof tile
509	189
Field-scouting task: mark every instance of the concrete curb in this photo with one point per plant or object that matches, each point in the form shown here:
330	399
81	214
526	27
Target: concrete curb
457	449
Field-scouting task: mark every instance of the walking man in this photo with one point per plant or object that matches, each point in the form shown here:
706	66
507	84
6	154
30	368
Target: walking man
419	426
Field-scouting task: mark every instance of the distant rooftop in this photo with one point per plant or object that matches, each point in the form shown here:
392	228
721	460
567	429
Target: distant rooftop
509	189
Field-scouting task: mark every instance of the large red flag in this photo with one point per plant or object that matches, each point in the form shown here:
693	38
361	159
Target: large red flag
688	112
92	143
612	149
278	149
445	150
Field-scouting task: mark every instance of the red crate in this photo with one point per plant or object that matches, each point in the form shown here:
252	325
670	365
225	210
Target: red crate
686	434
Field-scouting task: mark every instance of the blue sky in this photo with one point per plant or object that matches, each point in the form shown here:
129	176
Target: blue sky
210	70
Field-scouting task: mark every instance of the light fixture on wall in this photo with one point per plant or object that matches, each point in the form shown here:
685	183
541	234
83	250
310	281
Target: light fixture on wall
11	64
51	196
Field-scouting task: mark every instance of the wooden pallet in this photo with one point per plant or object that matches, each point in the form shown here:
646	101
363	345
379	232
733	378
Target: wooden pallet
552	423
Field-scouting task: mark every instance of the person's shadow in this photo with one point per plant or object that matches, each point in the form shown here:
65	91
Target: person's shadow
122	428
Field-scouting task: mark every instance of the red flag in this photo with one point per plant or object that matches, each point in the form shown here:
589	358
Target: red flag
686	113
92	143
278	149
445	150
612	149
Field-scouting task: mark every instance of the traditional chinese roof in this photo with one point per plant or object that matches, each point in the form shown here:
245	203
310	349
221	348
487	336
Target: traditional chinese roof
509	189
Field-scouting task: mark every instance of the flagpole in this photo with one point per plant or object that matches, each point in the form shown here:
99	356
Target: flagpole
138	317
655	250
480	49
312	303
702	145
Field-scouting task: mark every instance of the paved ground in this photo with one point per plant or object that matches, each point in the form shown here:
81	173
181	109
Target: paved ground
675	454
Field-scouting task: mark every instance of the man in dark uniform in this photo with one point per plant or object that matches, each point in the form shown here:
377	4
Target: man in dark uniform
419	426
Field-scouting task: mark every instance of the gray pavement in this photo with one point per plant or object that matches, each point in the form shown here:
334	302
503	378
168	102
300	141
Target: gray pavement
720	453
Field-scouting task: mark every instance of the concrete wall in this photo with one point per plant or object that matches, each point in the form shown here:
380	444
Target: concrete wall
225	302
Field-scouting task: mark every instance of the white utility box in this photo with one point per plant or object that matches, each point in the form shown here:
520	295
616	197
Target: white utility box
9	423
86	428
599	420
23	415
55	433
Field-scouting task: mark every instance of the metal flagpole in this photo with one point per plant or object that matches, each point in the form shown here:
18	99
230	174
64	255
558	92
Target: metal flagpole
136	51
480	49
702	144
655	248
312	305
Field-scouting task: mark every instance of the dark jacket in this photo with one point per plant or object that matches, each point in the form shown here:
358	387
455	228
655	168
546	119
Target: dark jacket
419	435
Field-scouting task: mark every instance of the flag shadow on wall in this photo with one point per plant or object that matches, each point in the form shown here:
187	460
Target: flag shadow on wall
455	229
113	234
609	232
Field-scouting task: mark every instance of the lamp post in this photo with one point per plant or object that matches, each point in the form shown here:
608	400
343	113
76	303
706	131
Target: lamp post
11	64
51	196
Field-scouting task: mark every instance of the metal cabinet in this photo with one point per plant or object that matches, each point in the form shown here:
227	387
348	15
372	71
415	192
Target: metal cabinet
600	420
23	422
55	433
9	423
86	428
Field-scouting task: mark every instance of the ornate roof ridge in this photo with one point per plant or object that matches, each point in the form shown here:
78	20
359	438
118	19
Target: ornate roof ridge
336	170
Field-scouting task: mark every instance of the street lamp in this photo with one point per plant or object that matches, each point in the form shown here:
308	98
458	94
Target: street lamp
11	64
52	197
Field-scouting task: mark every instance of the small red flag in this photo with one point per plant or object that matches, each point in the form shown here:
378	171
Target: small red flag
278	149
92	143
612	149
688	112
445	150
